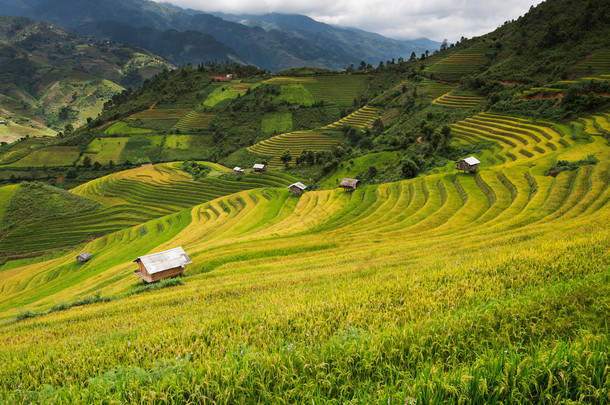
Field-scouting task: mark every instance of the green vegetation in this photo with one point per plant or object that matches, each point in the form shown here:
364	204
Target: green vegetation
122	128
276	123
424	285
33	202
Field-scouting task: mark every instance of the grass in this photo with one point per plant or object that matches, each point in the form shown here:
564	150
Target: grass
104	150
122	128
6	195
49	156
225	92
296	94
276	122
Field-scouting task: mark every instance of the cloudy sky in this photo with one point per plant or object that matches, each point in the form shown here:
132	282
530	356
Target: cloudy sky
400	19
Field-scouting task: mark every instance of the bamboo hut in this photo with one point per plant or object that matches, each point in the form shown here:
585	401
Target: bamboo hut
158	266
470	164
349	184
297	188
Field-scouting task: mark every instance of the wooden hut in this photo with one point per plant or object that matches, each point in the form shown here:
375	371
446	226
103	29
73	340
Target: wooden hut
470	164
83	257
259	168
158	266
349	184
238	170
297	188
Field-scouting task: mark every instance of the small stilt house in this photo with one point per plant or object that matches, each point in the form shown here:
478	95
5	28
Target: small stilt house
238	170
297	188
158	266
259	168
470	164
83	257
349	184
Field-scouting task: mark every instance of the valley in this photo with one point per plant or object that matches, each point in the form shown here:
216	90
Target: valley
424	284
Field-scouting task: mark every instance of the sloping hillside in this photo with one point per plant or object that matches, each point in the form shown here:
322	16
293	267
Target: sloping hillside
390	278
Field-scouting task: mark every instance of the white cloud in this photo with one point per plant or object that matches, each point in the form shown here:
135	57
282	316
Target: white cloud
399	19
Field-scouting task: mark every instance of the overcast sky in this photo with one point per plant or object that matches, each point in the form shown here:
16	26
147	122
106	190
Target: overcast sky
400	19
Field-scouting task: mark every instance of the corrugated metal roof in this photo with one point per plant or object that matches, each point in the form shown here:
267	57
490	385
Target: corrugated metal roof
472	160
166	260
346	182
299	185
238	169
259	166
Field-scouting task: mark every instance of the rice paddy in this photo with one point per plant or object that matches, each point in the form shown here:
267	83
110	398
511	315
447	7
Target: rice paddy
360	119
457	100
194	120
450	287
459	63
598	64
295	142
131	197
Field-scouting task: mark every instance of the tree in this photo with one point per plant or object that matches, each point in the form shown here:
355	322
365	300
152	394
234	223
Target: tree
286	157
409	168
413	56
86	161
444	45
372	172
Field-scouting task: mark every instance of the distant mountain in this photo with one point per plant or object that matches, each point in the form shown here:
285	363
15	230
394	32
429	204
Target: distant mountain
274	41
50	77
178	47
272	50
358	44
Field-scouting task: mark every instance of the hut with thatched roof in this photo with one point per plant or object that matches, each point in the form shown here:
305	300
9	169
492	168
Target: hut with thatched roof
349	184
158	266
297	188
470	164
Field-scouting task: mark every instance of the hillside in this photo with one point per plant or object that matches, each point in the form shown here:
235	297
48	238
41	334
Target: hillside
351	283
52	77
426	284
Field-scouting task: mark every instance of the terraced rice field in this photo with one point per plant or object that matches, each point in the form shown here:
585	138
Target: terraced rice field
338	89
194	120
460	63
295	142
437	89
598	63
457	101
519	139
315	141
161	113
361	118
131	197
448	287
